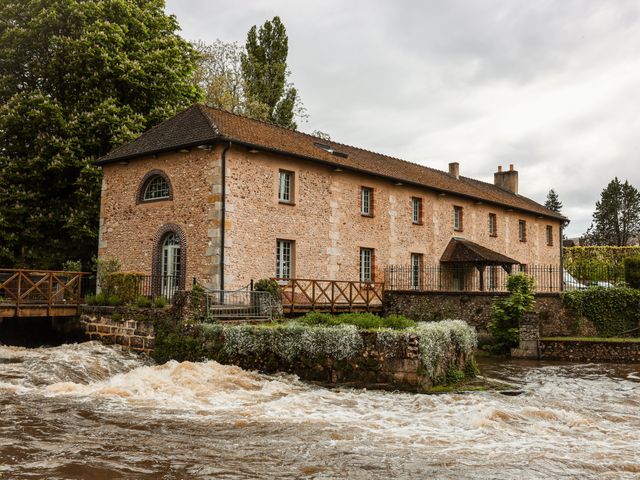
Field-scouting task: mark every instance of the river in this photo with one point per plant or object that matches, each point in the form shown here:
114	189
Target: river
91	411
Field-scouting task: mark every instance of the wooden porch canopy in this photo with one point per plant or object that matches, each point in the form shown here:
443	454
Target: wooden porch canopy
462	251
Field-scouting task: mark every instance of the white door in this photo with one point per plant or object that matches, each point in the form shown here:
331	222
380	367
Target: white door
170	265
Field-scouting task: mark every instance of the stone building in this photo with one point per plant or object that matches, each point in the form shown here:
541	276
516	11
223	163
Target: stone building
226	199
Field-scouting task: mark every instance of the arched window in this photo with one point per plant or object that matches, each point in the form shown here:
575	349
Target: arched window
155	186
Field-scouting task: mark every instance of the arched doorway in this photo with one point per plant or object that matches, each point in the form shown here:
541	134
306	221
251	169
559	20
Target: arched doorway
170	267
169	261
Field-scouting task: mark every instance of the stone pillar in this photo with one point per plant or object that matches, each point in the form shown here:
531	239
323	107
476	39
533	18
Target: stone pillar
529	337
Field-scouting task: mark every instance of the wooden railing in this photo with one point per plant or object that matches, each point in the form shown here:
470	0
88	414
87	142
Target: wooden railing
299	295
40	289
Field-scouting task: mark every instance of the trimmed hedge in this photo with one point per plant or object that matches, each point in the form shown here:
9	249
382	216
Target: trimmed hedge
612	310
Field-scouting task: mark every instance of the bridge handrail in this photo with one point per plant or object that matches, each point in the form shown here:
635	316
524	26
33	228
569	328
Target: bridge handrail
41	287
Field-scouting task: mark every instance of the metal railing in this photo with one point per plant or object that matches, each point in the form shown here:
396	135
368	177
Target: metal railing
242	304
333	295
469	278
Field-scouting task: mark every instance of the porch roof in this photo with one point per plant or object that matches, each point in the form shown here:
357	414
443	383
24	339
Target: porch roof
461	250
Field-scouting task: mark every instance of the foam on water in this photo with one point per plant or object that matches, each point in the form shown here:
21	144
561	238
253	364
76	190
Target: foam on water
578	420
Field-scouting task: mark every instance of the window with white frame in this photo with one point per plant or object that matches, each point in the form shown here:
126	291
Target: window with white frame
457	218
366	201
284	258
366	265
157	189
416	270
285	190
416	210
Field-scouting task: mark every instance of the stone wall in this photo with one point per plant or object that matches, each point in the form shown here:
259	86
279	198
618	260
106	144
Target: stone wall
132	328
476	308
590	351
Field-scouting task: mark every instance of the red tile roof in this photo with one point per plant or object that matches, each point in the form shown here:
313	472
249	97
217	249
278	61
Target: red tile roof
200	124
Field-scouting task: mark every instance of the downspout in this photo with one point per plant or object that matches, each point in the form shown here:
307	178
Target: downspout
561	257
223	209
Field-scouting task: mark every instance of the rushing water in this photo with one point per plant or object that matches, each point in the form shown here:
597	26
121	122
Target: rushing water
90	411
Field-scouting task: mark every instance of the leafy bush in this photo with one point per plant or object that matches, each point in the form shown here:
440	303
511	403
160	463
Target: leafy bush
360	320
612	310
632	271
597	263
143	301
72	266
103	299
507	312
105	267
159	302
126	285
90	299
268	285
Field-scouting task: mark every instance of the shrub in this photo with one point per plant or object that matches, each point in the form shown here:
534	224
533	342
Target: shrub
632	271
268	285
113	300
72	266
159	302
507	312
361	320
89	299
612	310
126	285
105	267
143	301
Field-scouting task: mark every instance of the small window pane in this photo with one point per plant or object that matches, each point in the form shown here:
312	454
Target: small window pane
156	189
522	230
549	235
366	265
285	193
366	196
493	230
284	249
416	207
416	270
457	218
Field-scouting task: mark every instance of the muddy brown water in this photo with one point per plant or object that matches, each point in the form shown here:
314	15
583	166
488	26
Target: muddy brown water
91	411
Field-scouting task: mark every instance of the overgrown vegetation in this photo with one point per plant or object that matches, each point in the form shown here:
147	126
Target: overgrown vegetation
360	320
632	271
507	312
598	263
613	311
276	345
268	285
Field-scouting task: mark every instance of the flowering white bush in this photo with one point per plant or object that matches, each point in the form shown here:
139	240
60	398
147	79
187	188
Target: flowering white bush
441	342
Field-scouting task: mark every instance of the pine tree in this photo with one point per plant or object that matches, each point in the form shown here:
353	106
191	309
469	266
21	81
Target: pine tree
77	78
553	201
616	220
264	71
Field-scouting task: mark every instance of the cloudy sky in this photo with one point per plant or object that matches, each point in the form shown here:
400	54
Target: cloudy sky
550	86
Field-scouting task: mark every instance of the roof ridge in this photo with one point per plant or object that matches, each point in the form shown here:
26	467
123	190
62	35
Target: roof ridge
289	130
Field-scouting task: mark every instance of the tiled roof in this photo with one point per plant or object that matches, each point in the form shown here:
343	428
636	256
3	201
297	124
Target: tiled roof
201	124
461	250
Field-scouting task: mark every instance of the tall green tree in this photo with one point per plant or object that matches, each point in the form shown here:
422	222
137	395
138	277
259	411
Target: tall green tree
553	201
264	70
616	220
77	78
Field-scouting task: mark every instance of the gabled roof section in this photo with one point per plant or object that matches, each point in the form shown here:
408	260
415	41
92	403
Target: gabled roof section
188	128
200	124
461	250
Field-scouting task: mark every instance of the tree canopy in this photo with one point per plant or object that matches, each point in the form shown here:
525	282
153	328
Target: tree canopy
251	81
553	201
77	78
616	220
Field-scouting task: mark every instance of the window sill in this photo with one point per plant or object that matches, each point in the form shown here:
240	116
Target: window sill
523	241
458	230
416	223
291	204
368	215
493	235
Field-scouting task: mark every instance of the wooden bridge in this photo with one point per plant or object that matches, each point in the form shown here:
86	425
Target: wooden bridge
40	293
305	295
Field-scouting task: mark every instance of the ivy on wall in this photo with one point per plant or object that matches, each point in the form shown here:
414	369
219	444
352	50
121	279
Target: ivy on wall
612	310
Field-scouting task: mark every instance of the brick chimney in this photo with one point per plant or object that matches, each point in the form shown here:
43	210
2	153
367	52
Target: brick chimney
506	180
454	169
